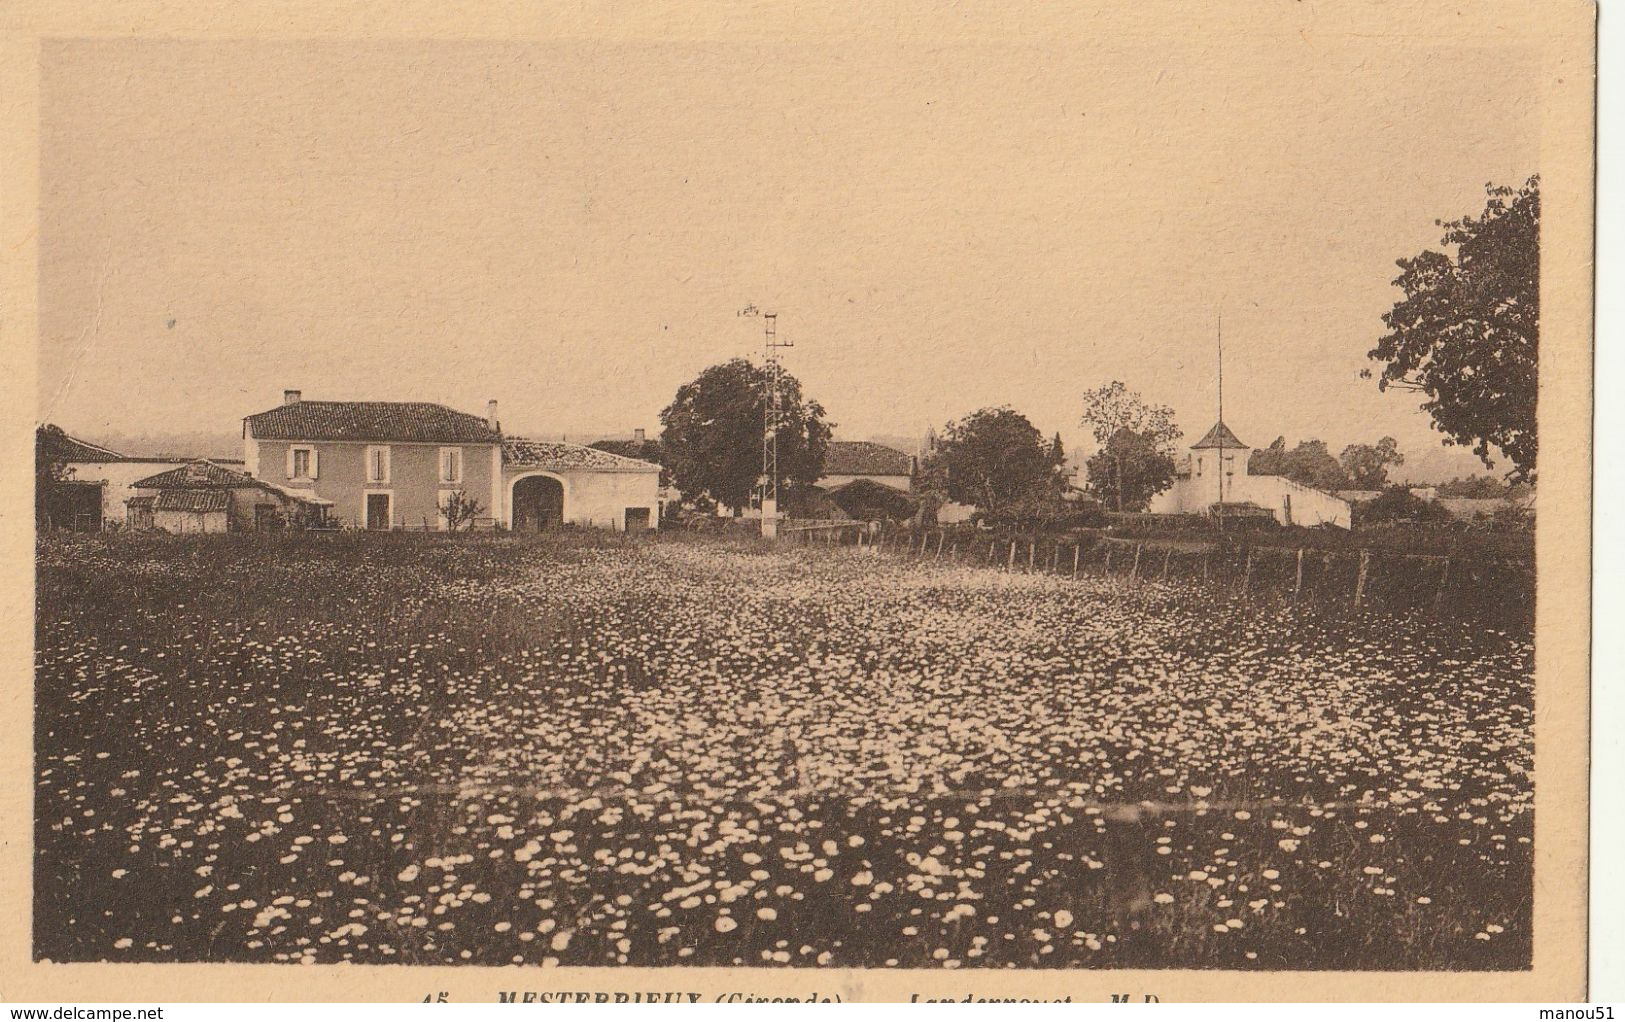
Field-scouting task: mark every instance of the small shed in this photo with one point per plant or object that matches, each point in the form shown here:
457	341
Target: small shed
229	501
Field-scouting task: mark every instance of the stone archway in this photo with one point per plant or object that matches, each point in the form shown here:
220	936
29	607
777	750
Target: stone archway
536	503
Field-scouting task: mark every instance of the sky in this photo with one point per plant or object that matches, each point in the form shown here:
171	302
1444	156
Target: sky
572	228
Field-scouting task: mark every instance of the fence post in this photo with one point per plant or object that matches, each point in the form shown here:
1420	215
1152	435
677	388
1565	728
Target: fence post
1032	548
941	536
1108	568
1166	555
1297	584
1247	576
1011	564
1207	553
1438	595
1359	585
1134	572
1077	550
1055	560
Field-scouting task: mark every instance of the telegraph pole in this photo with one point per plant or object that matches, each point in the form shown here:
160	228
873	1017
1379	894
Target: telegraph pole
1221	422
772	419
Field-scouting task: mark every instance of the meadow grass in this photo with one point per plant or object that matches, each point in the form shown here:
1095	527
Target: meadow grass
585	749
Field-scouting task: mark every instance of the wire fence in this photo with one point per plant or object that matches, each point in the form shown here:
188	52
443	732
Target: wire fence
1446	583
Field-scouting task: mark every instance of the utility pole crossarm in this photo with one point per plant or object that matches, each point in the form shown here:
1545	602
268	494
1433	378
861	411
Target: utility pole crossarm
773	418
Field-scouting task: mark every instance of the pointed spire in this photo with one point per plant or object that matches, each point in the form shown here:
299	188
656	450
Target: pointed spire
1219	437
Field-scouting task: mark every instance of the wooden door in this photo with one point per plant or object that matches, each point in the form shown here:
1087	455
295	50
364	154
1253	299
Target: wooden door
377	510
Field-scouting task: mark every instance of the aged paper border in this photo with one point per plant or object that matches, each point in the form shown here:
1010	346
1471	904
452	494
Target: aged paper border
1566	30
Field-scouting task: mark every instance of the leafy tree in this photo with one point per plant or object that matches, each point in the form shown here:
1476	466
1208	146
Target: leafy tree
1397	504
712	436
1513	517
51	471
460	511
1366	465
1108	413
1268	461
1467	332
1041	508
1309	463
1476	487
992	458
1129	471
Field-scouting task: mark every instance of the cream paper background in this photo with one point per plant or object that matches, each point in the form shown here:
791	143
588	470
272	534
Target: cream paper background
1563	35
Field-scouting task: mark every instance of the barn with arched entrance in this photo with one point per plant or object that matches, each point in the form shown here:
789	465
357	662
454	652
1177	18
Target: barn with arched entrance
537	502
549	483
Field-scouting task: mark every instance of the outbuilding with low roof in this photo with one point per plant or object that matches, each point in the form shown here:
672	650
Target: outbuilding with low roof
202	496
553	482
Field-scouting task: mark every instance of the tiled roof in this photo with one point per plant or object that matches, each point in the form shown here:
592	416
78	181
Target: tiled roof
863	458
403	421
198	474
69	448
192	500
1219	436
638	450
206	475
519	452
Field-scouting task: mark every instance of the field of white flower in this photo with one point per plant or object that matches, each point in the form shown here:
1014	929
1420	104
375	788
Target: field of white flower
574	751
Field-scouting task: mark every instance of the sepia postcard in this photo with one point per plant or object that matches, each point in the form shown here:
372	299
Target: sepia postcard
912	502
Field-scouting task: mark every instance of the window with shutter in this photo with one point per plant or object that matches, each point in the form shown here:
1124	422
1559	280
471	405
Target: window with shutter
301	463
378	464
451	464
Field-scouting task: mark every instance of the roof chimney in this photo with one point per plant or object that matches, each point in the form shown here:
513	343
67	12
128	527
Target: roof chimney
491	414
639	435
290	397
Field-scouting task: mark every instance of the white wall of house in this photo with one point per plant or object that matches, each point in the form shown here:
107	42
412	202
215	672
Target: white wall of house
189	521
1291	502
116	477
412	474
952	513
601	498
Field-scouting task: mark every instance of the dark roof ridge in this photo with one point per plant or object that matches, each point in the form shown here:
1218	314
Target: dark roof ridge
1219	436
359	421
